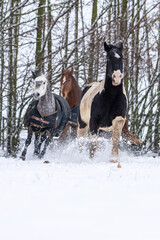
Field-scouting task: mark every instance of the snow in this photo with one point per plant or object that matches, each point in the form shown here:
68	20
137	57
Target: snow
75	198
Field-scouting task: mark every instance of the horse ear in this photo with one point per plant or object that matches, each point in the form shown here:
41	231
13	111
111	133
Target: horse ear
121	46
107	47
33	75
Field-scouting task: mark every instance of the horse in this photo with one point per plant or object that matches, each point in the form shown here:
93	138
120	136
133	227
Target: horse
71	91
103	104
47	115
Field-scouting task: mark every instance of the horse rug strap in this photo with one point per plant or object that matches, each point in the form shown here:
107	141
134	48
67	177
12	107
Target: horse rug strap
40	121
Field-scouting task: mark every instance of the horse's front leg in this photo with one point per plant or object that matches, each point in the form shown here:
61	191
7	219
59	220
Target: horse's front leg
47	137
117	124
41	139
93	145
27	143
36	144
81	133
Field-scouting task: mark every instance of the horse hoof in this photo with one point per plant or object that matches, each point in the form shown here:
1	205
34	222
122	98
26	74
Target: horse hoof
91	155
113	161
119	165
40	156
22	158
36	153
116	161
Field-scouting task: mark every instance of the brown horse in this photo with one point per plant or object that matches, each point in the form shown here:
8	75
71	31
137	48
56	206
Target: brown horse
71	91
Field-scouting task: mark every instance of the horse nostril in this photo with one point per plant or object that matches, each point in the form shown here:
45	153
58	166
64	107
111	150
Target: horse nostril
36	95
120	75
114	76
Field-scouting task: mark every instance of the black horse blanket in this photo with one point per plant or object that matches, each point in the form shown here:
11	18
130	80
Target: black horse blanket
74	114
57	120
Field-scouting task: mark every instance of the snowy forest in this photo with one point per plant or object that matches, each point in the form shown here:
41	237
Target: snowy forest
51	35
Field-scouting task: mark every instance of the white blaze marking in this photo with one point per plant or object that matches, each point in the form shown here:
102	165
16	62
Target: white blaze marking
116	55
64	79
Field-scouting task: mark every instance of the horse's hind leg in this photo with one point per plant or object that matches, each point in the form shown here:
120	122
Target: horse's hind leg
65	131
93	145
74	130
27	143
81	133
129	136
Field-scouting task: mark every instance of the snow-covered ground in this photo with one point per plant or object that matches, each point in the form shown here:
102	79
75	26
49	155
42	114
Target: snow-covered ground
75	198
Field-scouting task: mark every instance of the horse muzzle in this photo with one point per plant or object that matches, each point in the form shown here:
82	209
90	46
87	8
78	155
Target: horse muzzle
36	95
117	78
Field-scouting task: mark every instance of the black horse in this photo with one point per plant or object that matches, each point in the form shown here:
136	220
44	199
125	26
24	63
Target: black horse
104	104
46	116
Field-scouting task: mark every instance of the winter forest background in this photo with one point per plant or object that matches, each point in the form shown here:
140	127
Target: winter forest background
53	34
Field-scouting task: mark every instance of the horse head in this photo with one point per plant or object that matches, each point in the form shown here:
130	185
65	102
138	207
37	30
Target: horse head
40	84
66	83
114	63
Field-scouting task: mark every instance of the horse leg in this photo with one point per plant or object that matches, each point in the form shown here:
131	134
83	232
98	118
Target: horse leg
27	143
129	136
47	140
81	133
93	145
42	138
36	144
74	128
117	124
65	131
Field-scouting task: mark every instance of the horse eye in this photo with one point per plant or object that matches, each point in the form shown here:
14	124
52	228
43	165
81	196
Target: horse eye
43	82
69	80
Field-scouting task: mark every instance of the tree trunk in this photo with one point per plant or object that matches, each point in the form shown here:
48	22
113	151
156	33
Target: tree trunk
49	22
40	35
76	65
92	42
1	69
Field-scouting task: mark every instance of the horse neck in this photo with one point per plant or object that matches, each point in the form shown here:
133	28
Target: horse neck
46	103
75	95
111	91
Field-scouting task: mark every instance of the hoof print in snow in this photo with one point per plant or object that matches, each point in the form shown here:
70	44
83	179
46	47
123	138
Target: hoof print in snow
46	161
